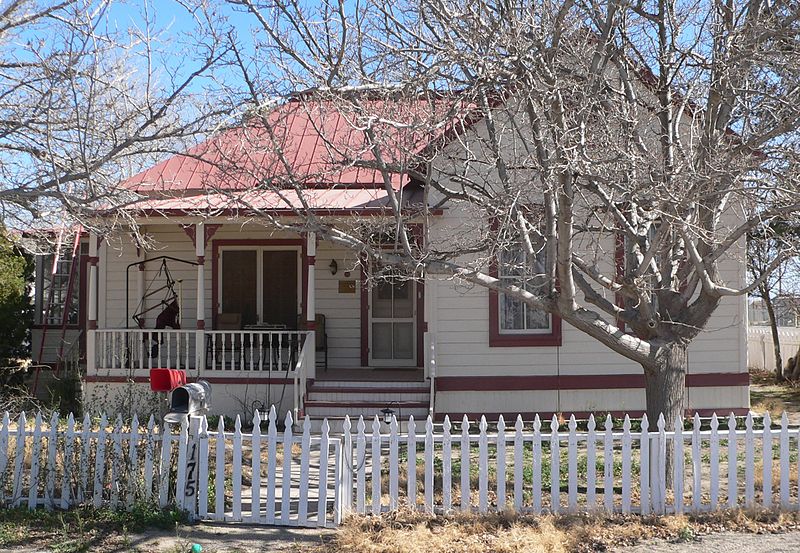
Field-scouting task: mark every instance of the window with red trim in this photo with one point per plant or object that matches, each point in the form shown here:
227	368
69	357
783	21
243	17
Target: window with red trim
512	322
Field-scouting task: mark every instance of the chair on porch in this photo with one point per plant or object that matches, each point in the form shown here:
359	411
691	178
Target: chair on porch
321	340
225	321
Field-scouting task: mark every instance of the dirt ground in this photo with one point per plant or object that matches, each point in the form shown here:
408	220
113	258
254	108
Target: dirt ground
766	395
724	542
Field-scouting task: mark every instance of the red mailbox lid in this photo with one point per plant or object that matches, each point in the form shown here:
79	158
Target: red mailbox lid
166	380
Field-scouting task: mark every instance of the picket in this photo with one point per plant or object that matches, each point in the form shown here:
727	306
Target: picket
537	465
483	467
33	483
149	450
465	468
51	468
361	457
272	454
519	475
714	463
626	465
394	461
412	464
286	472
133	462
501	464
324	445
447	477
375	453
766	461
555	465
305	454
236	473
219	471
116	457
100	465
255	466
69	441
48	463
591	466
428	465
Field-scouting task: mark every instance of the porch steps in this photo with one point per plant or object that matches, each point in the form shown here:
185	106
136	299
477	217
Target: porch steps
333	399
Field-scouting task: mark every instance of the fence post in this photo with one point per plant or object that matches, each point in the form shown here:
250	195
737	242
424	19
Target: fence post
411	450
661	470
255	465
749	461
361	457
33	488
591	464
305	455
50	476
100	464
447	477
202	470
608	466
116	459
347	469
286	473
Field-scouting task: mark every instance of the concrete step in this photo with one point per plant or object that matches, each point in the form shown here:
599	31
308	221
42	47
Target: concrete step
357	395
367	409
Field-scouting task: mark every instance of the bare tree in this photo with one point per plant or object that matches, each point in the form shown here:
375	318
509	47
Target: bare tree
89	95
764	244
625	148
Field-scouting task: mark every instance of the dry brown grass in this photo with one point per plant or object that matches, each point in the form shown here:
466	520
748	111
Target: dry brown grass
408	532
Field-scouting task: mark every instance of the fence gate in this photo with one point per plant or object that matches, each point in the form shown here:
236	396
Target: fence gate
278	478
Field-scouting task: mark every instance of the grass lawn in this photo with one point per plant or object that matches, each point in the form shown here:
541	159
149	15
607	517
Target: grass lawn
767	395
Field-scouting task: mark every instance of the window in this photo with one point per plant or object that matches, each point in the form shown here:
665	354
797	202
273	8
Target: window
55	292
512	321
527	271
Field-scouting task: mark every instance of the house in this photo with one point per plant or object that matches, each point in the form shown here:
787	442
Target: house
787	311
218	284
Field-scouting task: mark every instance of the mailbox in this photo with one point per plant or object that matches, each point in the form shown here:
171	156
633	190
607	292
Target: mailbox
189	400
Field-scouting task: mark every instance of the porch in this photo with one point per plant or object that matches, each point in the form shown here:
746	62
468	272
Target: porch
262	325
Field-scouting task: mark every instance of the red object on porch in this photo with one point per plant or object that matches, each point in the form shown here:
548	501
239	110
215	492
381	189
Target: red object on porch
166	380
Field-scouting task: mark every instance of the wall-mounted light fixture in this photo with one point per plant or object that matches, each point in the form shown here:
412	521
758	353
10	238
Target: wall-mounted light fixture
334	267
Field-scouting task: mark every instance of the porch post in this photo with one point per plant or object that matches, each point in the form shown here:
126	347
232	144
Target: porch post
200	251
91	323
140	289
311	308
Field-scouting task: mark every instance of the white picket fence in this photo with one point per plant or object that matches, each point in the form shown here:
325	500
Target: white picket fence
212	474
760	351
285	478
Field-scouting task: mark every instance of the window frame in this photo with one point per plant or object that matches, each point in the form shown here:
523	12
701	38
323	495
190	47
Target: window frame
517	338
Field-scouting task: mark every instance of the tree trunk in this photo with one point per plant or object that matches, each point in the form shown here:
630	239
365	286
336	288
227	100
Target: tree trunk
665	389
776	345
665	386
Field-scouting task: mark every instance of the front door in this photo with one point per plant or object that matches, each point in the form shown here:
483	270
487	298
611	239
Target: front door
262	285
392	325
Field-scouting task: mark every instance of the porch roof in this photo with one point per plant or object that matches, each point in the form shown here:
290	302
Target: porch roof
345	201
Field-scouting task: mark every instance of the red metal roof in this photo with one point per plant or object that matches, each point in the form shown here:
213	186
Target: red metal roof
313	146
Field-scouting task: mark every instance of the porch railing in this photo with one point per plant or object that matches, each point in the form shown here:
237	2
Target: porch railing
207	351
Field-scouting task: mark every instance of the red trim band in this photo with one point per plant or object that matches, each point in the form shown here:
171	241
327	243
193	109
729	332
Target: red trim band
547	415
577	382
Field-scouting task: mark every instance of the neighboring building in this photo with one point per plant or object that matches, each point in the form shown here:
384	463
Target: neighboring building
787	311
273	317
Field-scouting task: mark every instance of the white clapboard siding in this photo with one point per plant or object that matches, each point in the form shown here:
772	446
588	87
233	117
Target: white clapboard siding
304	478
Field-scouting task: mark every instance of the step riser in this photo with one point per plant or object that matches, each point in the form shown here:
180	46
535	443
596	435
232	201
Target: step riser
357	397
335	384
367	412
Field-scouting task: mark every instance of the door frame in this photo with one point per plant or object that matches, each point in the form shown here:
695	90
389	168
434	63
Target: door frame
421	327
217	246
370	334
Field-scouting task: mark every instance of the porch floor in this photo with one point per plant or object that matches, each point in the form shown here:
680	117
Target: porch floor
371	374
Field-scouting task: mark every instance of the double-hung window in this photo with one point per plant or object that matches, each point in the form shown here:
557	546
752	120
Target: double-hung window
513	322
